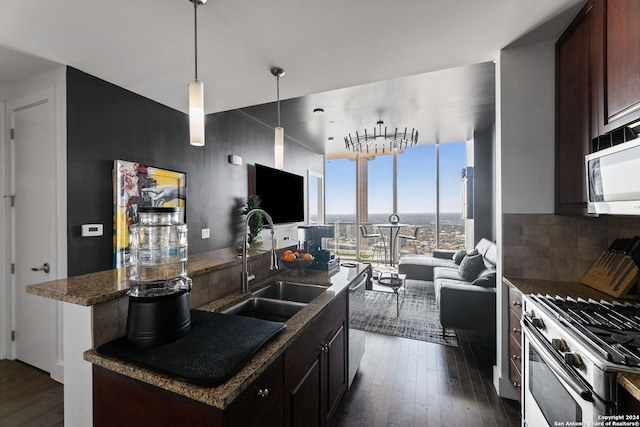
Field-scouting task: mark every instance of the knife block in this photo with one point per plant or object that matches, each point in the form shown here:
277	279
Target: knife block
614	274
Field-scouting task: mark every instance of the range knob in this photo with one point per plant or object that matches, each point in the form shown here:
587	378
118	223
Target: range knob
559	344
537	322
573	359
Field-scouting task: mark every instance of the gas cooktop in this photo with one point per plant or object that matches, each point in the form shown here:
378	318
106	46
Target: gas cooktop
611	328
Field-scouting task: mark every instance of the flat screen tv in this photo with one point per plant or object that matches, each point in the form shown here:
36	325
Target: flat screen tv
281	193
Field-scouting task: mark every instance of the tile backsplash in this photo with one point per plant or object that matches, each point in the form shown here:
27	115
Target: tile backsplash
555	247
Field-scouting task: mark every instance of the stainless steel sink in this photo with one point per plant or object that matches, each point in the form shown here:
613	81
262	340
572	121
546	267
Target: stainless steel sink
289	291
266	309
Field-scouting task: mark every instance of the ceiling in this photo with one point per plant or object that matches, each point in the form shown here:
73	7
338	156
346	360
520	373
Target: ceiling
443	106
416	63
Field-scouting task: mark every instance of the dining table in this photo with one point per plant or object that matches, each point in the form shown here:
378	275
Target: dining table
391	230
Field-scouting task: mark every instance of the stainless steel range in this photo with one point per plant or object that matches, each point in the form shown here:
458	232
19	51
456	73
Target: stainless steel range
572	350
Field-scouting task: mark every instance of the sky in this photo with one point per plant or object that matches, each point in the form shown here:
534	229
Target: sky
416	181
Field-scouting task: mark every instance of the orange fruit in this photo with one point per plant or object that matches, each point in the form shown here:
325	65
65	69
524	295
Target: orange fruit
307	256
289	257
287	252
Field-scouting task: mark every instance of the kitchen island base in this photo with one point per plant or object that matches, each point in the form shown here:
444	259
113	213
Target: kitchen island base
303	386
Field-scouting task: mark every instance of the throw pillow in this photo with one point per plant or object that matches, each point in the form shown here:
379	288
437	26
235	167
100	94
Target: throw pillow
459	255
471	266
486	279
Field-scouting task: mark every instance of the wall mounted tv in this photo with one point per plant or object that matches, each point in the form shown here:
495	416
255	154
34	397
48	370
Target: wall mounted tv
282	194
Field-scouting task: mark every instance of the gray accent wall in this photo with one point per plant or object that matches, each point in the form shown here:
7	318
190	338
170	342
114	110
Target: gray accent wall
484	185
106	123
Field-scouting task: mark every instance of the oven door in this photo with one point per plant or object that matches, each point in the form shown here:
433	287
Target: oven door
552	392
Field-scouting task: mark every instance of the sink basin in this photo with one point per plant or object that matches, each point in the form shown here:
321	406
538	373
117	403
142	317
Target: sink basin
266	309
289	291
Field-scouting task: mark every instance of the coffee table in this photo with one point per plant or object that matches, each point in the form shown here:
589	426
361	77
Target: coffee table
395	282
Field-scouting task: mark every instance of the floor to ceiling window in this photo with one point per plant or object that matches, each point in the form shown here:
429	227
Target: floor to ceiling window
451	225
417	198
427	196
380	188
340	205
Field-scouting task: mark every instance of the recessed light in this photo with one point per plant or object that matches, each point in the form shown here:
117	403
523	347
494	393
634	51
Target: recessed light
318	111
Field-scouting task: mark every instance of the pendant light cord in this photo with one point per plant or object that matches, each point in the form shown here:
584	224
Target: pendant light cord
278	88
195	32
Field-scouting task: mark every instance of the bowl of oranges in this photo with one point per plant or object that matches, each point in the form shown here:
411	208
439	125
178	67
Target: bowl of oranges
297	261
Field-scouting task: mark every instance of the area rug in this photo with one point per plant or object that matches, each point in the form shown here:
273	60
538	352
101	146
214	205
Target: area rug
418	318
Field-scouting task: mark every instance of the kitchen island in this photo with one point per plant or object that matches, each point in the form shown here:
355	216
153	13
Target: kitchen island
95	308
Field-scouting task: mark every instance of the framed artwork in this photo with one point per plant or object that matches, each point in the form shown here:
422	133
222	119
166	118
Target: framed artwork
136	185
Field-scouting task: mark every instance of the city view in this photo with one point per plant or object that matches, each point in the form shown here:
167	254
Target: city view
425	179
452	234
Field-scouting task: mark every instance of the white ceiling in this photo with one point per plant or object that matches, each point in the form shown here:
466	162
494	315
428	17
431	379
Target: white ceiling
146	46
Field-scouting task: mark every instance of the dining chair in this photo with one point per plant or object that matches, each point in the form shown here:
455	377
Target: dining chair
407	237
377	237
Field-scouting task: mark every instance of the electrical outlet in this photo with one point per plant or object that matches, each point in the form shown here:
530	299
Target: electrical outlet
205	233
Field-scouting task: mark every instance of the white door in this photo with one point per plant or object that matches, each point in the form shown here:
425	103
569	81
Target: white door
33	227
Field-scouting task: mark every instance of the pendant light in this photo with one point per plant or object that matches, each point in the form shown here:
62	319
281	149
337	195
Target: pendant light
196	90
279	131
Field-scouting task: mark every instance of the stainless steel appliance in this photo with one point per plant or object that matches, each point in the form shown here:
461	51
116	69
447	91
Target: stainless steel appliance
612	175
357	307
572	350
314	241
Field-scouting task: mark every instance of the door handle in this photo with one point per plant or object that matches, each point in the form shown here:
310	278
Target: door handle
45	267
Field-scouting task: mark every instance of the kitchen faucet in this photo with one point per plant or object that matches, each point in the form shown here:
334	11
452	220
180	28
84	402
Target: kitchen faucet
246	278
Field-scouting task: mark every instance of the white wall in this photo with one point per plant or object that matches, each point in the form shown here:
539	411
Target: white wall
528	131
525	147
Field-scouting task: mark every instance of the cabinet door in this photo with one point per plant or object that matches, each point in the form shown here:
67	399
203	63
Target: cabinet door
303	401
619	82
576	62
263	396
122	401
336	371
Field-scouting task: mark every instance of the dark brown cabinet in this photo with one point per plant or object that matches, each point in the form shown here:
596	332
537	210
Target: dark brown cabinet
120	400
618	84
627	403
576	64
515	338
316	369
302	387
597	89
261	403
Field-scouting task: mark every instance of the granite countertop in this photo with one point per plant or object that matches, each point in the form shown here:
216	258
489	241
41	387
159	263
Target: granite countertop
95	288
553	288
221	396
630	382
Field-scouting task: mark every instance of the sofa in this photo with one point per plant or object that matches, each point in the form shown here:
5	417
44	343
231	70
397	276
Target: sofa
464	284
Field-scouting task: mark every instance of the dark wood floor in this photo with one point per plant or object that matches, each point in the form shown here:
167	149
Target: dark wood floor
29	397
401	382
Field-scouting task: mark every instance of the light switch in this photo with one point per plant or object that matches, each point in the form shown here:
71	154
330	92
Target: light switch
205	233
235	160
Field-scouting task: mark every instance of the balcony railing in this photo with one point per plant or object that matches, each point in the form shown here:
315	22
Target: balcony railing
346	237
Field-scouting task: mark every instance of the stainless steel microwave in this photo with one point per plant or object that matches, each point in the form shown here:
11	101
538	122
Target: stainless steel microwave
613	180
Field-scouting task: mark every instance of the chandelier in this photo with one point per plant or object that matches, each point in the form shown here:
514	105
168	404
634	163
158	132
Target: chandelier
381	139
